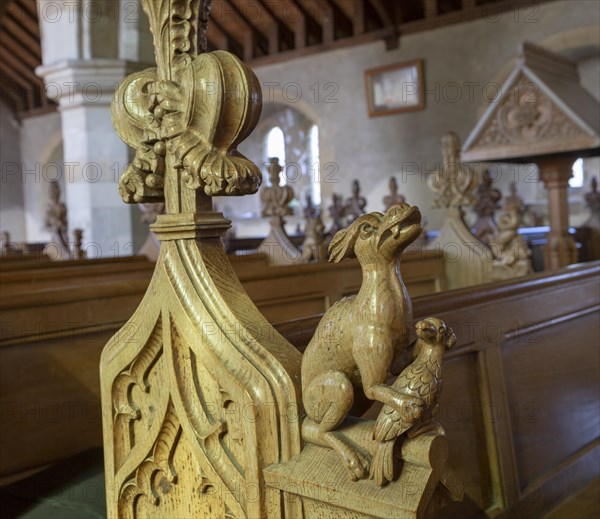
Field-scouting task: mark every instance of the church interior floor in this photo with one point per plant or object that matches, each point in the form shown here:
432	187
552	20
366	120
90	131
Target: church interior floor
75	489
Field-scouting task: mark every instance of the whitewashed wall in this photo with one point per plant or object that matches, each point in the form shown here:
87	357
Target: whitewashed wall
12	216
464	63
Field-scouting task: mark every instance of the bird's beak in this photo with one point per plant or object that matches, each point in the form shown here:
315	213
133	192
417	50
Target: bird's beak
399	223
451	341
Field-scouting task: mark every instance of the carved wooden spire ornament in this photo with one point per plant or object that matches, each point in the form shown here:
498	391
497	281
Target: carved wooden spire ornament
336	213
485	208
56	222
275	200
201	398
393	197
355	205
592	201
189	113
199	393
453	186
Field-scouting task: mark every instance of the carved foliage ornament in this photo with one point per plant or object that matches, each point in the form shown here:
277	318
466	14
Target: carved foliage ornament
455	183
194	106
276	199
527	115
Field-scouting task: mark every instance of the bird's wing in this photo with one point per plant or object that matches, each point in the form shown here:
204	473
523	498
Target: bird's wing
393	422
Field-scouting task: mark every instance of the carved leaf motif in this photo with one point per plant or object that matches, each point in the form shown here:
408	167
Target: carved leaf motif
125	409
213	415
175	25
275	199
156	473
526	114
455	183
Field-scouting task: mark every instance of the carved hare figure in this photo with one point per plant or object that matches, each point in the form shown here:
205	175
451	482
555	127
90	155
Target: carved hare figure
346	364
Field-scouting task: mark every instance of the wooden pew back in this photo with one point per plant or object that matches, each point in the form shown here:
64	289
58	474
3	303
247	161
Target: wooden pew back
286	292
520	398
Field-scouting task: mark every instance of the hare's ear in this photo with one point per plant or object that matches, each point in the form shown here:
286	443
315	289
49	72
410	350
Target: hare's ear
342	244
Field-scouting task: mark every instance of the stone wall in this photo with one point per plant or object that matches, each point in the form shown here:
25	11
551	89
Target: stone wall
464	66
12	216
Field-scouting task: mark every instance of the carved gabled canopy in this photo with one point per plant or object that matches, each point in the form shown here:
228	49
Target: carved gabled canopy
541	109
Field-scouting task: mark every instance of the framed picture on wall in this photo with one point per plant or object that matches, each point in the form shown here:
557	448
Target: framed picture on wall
394	89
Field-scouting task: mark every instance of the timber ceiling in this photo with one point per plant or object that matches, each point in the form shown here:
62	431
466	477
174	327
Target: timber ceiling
20	54
257	31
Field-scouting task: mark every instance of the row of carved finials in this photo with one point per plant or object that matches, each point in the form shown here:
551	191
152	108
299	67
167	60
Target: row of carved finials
275	201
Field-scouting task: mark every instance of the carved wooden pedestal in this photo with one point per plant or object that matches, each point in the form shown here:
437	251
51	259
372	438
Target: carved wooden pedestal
277	245
275	202
424	485
199	392
561	249
468	261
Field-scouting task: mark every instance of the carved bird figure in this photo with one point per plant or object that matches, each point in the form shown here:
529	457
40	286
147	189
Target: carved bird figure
419	385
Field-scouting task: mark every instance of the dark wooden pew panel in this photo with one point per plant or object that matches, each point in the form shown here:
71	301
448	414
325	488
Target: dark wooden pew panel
520	402
286	292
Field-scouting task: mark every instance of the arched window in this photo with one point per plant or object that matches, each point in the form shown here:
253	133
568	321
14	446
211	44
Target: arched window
275	146
313	143
577	179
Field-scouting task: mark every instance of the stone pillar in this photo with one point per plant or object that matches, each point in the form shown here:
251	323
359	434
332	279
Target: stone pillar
94	156
561	249
81	73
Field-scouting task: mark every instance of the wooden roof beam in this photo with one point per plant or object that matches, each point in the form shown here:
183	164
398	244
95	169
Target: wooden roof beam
388	20
26	89
26	17
22	35
385	16
19	72
431	9
17	102
233	45
358	17
3	9
308	30
337	19
282	32
11	61
258	39
16	78
13	45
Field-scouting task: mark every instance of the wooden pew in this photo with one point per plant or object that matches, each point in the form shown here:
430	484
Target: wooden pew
32	262
520	398
499	410
286	292
52	274
57	317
